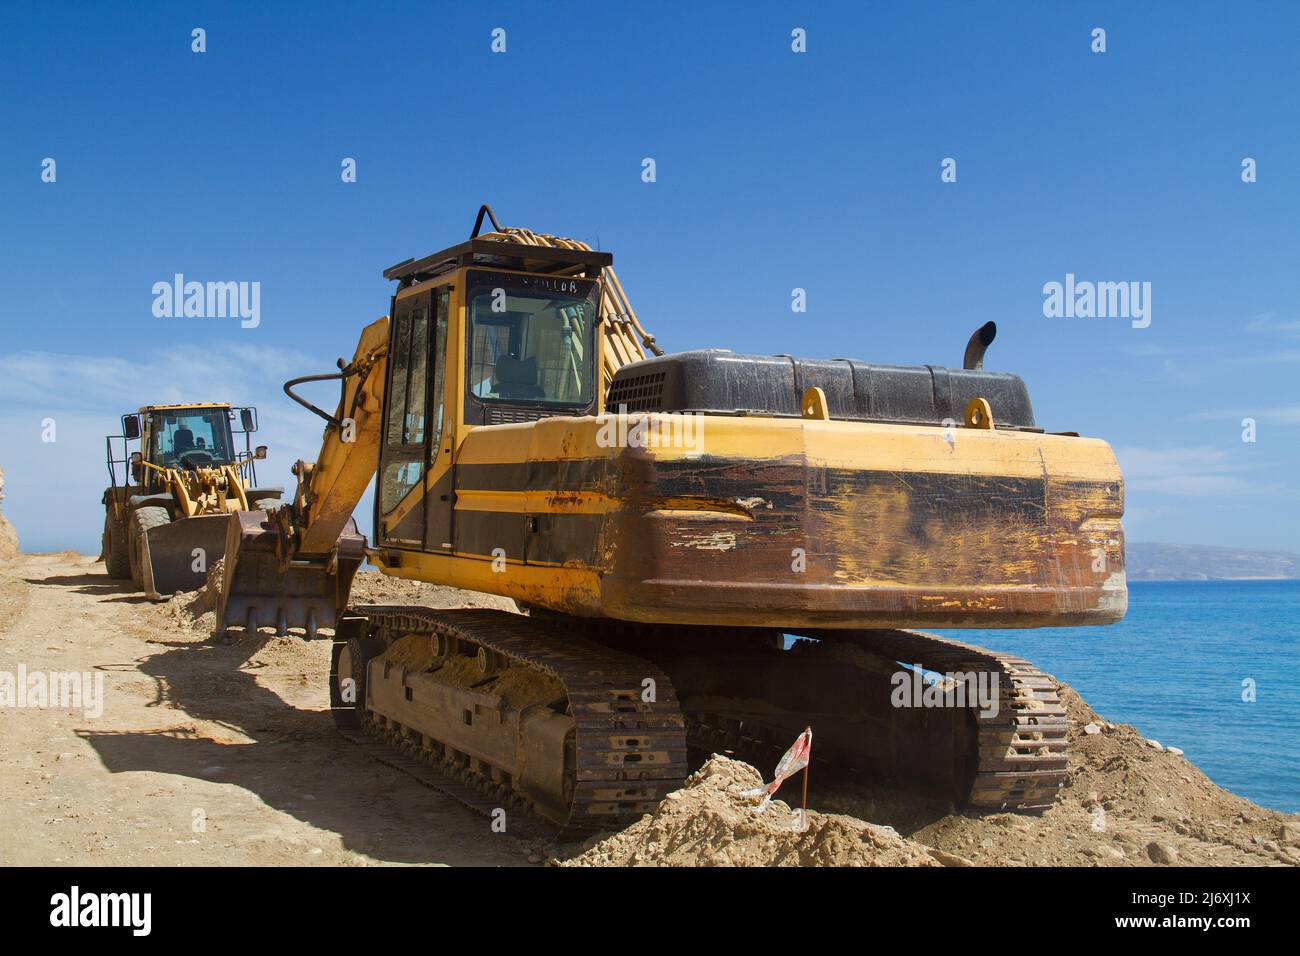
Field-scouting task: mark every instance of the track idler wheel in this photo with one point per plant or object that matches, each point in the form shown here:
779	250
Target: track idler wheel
348	679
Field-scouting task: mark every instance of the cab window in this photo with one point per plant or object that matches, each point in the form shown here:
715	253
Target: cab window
532	347
195	436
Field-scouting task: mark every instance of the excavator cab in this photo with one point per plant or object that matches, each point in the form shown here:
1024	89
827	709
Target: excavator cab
476	339
495	330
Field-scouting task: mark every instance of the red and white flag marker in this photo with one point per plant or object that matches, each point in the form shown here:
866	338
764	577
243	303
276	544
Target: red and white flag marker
794	760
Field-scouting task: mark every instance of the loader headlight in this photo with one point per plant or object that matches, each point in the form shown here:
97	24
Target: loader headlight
259	452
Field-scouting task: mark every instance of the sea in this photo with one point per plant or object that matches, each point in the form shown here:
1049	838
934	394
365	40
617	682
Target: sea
1210	667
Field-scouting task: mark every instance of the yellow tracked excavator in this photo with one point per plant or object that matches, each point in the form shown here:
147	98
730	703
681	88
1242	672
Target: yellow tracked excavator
714	550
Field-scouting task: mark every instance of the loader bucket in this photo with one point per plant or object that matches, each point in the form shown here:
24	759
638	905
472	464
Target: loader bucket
258	591
176	555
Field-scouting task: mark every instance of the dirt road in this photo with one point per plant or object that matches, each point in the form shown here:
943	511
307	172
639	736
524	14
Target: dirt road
204	754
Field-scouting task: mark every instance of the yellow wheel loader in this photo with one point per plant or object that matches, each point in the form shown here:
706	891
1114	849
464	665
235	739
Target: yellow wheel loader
715	550
165	524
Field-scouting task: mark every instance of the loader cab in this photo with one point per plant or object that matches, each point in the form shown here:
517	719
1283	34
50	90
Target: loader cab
185	436
486	333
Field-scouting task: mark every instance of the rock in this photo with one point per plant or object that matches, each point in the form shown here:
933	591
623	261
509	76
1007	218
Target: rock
1091	729
1154	745
1173	750
1290	835
534	858
948	859
1161	853
1012	821
8	536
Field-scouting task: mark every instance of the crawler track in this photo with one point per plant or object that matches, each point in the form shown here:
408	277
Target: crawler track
739	693
627	753
1024	747
1013	760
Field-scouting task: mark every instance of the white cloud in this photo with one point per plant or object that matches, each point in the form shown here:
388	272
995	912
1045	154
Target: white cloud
55	380
1189	472
1281	415
1270	322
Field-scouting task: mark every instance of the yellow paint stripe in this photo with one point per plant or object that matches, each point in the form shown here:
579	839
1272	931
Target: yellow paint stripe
572	587
535	502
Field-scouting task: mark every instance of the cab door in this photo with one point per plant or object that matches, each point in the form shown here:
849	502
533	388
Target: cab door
439	501
410	512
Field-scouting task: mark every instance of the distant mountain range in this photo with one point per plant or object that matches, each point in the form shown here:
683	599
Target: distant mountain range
1193	562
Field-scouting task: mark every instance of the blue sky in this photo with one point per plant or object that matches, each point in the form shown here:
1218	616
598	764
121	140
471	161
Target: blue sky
775	170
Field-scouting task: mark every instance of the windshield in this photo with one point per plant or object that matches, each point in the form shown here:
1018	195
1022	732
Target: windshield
533	345
197	436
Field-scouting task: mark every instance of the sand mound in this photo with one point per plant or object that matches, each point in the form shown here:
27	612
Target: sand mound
709	823
197	609
1125	803
8	536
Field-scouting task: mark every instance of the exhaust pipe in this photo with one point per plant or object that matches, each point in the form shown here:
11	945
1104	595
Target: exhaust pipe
980	340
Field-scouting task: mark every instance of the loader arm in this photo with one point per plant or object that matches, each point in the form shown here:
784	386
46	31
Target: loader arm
330	487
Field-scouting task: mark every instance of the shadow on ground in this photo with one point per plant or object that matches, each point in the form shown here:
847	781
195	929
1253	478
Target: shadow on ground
92	584
295	763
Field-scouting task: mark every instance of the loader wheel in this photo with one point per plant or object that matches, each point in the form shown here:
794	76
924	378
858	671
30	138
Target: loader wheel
116	560
141	520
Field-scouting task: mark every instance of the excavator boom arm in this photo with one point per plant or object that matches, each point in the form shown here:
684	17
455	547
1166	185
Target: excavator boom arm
330	487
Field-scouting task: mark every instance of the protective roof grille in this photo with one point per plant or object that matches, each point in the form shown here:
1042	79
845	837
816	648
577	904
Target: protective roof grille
501	254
